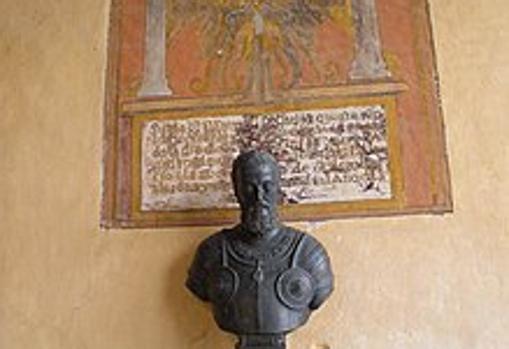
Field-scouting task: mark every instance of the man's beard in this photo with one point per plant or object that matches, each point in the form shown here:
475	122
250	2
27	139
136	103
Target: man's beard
259	220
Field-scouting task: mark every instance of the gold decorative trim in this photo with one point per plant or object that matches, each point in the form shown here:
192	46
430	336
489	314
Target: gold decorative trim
347	91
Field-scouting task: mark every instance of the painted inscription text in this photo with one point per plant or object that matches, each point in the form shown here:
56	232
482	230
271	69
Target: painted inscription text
328	155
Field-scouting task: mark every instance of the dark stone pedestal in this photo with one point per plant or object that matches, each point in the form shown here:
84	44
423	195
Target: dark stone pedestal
262	341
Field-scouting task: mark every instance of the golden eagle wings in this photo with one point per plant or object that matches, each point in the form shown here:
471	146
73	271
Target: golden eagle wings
282	28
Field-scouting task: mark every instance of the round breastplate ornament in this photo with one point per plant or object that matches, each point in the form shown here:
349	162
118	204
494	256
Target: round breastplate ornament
222	285
295	288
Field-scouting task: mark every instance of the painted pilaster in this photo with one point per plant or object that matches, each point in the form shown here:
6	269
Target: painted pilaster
155	82
368	61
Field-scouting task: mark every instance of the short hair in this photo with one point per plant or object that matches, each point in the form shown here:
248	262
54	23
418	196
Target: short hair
253	158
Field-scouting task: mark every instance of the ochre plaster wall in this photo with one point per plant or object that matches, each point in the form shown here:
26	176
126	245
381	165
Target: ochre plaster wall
408	282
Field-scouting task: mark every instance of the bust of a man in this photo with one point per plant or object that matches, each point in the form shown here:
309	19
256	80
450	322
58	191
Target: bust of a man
262	278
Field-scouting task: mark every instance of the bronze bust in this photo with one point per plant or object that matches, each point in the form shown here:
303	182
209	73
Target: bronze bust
262	278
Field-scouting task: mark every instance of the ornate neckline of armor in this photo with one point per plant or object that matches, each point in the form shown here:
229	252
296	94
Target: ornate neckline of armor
253	255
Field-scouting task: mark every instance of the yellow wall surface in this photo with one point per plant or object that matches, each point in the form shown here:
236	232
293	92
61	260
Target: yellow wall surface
409	282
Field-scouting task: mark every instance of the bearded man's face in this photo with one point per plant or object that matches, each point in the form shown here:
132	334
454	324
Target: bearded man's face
258	194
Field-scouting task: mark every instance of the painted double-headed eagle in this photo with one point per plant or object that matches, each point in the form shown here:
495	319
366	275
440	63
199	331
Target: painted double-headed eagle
265	34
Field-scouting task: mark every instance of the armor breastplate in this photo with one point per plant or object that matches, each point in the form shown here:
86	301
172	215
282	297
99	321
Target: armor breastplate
256	292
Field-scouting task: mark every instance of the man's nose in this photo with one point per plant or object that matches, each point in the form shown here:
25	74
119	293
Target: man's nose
259	193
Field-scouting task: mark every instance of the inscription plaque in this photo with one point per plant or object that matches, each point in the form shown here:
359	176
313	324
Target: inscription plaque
325	155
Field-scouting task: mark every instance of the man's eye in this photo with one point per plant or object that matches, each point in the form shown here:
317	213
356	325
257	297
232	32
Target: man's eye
268	186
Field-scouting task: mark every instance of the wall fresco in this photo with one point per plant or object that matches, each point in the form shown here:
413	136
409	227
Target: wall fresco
278	75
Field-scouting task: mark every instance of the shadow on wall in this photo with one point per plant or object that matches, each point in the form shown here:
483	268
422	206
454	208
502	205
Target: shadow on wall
192	325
